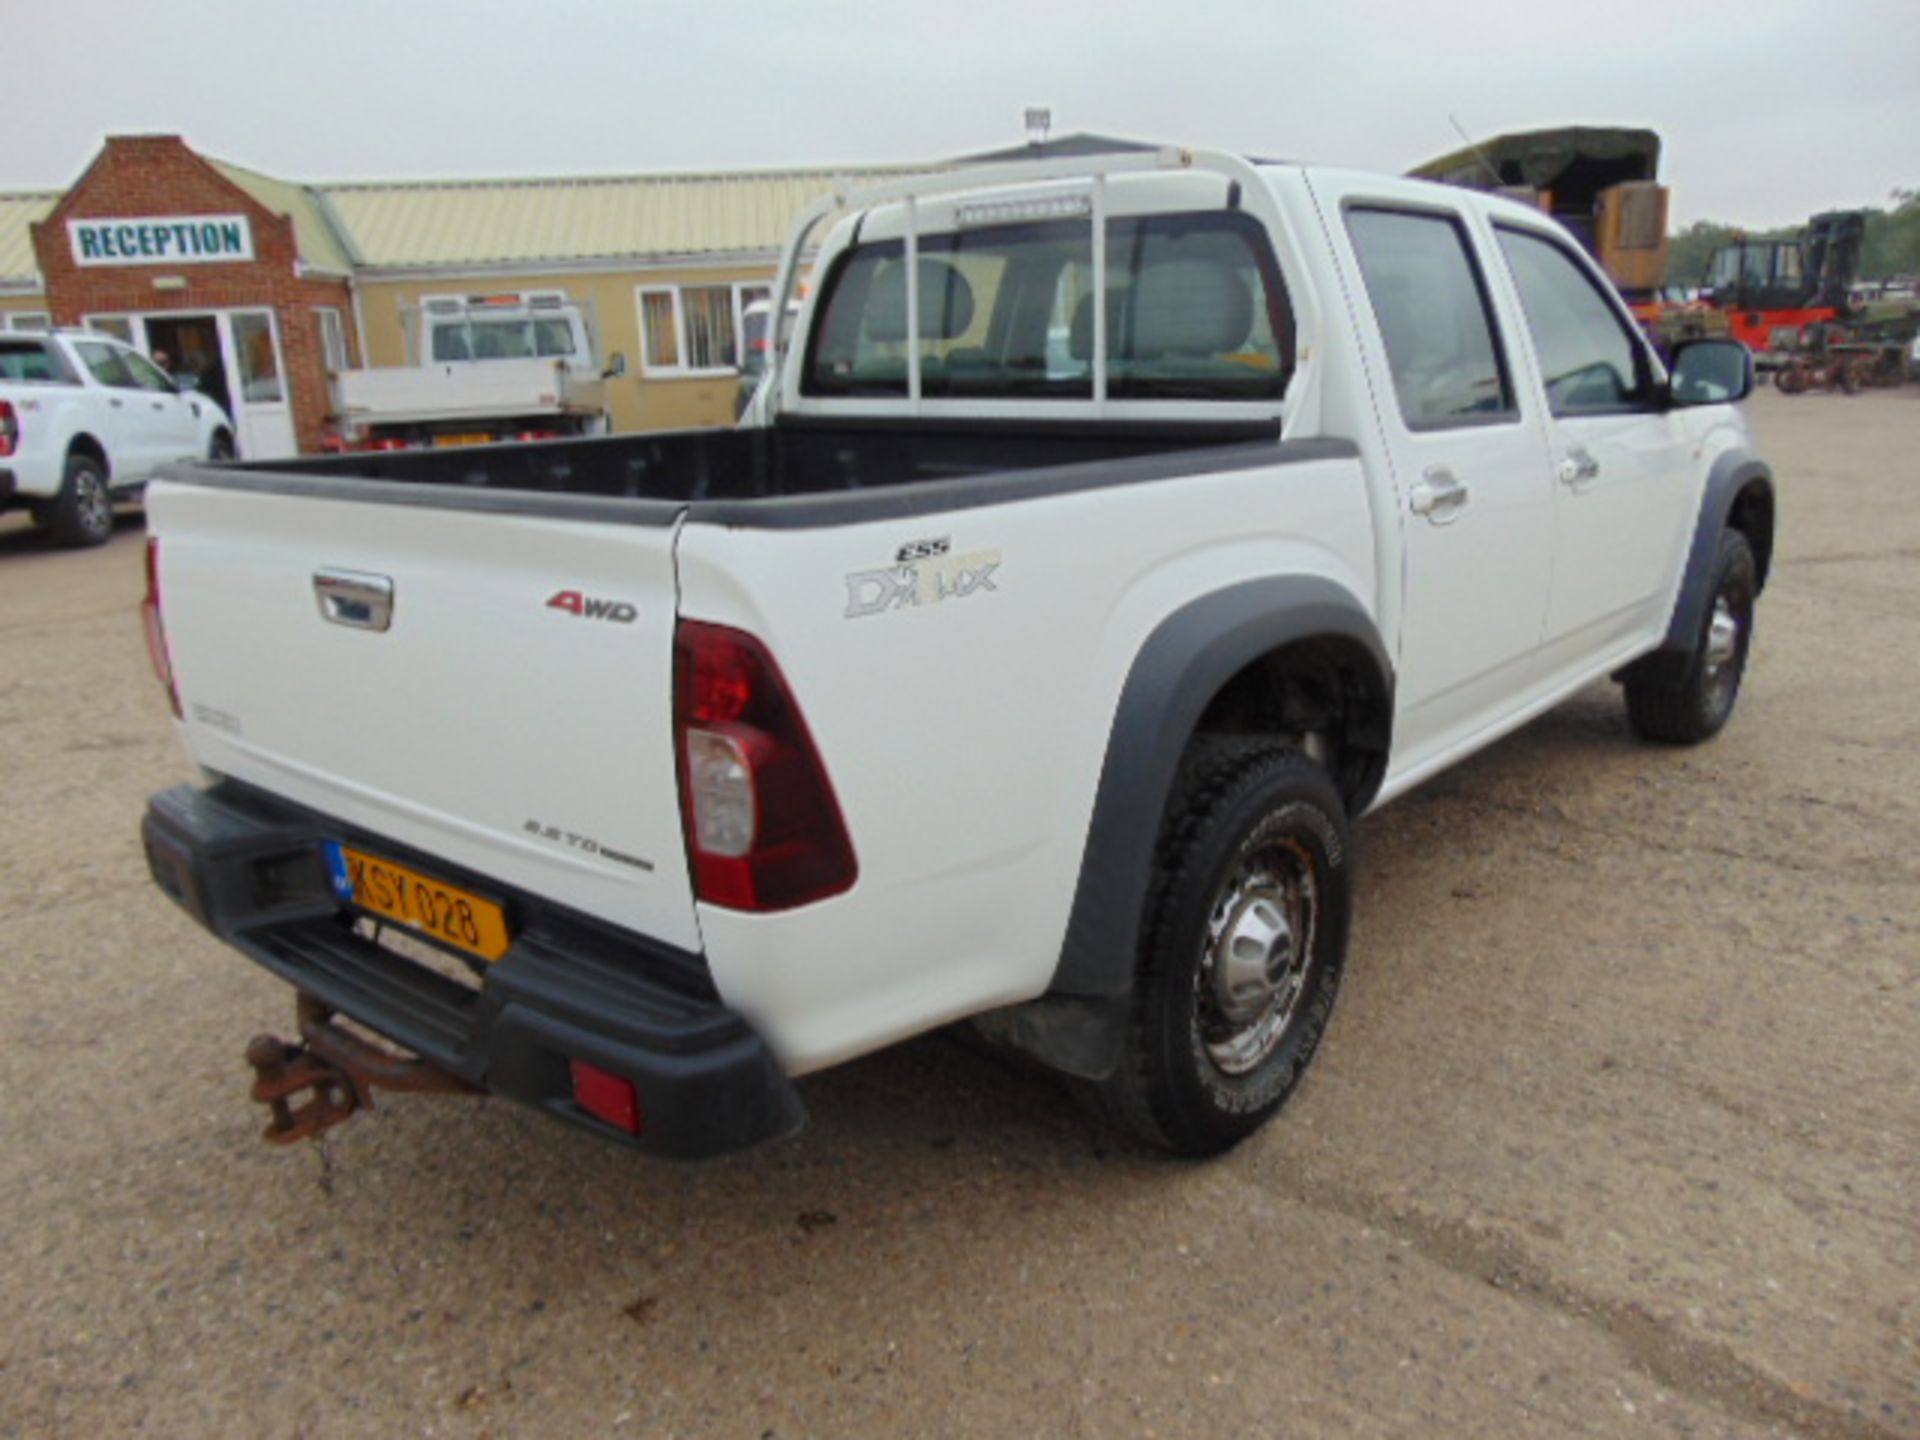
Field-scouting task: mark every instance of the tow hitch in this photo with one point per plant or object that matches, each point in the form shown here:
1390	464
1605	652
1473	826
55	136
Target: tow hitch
339	1068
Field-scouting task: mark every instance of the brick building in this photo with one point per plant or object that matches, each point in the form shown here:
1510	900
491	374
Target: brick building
237	279
259	288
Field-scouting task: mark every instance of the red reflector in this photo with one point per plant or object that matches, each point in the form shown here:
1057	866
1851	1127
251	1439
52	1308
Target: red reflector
9	428
158	651
608	1097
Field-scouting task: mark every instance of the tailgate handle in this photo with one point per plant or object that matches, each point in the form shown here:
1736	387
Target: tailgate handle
355	598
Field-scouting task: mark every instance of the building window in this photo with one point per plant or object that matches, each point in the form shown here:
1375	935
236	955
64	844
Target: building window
118	326
333	338
33	321
694	329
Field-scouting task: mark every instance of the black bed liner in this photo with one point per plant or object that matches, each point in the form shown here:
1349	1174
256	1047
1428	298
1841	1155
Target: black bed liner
800	474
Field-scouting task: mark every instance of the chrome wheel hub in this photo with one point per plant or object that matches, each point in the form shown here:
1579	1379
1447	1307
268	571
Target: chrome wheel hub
1259	943
96	510
1252	957
1723	637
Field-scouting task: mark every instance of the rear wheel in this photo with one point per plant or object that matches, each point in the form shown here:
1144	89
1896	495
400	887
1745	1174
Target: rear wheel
82	513
1241	949
1696	705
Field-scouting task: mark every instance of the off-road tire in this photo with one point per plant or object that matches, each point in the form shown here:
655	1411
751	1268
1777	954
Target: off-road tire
1234	799
1697	705
82	513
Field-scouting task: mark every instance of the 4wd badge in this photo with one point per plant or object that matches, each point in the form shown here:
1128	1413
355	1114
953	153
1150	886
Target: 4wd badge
588	607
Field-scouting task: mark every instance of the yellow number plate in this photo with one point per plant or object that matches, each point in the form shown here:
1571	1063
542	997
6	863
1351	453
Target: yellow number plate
463	439
402	894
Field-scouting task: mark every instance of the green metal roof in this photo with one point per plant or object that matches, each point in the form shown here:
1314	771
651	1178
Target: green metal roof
483	222
17	212
319	245
455	224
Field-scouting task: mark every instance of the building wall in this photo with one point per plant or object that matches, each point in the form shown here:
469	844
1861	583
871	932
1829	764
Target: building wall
16	301
637	401
159	175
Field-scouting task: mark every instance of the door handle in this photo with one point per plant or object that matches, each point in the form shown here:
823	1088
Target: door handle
354	598
1578	467
158	406
1439	495
115	402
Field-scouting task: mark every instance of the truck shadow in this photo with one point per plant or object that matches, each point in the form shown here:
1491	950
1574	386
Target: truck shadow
20	536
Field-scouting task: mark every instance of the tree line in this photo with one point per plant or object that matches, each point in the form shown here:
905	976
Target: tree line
1890	249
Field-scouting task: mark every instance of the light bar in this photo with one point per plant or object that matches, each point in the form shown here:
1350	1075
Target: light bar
1010	212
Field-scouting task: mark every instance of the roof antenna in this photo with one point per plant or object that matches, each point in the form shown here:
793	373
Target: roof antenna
1039	122
1474	145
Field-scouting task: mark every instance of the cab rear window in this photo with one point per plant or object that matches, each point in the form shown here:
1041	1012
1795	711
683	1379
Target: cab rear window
511	339
1194	304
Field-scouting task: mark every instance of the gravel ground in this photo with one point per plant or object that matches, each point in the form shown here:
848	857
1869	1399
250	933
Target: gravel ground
1615	1133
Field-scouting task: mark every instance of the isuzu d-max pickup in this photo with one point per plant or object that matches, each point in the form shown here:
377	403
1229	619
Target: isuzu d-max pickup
1107	536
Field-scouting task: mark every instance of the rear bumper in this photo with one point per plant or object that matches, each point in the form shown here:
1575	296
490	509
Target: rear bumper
249	868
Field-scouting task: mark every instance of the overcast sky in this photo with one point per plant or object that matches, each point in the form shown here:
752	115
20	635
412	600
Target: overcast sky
1770	109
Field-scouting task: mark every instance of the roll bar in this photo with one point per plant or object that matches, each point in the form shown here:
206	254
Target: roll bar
1092	169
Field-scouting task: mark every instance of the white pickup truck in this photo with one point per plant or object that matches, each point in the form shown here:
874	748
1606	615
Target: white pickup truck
84	421
485	368
1110	534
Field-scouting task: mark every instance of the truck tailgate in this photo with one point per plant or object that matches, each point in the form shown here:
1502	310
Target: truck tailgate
515	716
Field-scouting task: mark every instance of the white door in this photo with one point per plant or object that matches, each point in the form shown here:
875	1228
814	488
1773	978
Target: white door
1467	446
130	439
257	383
163	412
1619	455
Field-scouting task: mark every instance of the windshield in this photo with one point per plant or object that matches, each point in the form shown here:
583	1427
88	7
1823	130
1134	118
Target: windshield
1194	310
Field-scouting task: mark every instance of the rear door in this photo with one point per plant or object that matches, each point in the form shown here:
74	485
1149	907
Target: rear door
492	689
1467	448
129	440
1622	497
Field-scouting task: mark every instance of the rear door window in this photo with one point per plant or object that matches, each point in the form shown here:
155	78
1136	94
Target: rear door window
1430	303
1194	310
103	362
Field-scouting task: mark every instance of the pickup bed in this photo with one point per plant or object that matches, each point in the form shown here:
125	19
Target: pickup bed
1023	658
417	404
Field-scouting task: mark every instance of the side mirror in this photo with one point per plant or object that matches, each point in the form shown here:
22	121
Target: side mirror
617	367
1710	372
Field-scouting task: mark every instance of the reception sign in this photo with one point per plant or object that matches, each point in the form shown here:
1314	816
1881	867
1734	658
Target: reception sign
162	240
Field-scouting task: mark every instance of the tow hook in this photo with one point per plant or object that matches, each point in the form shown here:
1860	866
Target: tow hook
339	1068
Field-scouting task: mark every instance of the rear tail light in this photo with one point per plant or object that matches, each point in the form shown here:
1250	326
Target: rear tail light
157	648
9	429
607	1097
764	831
